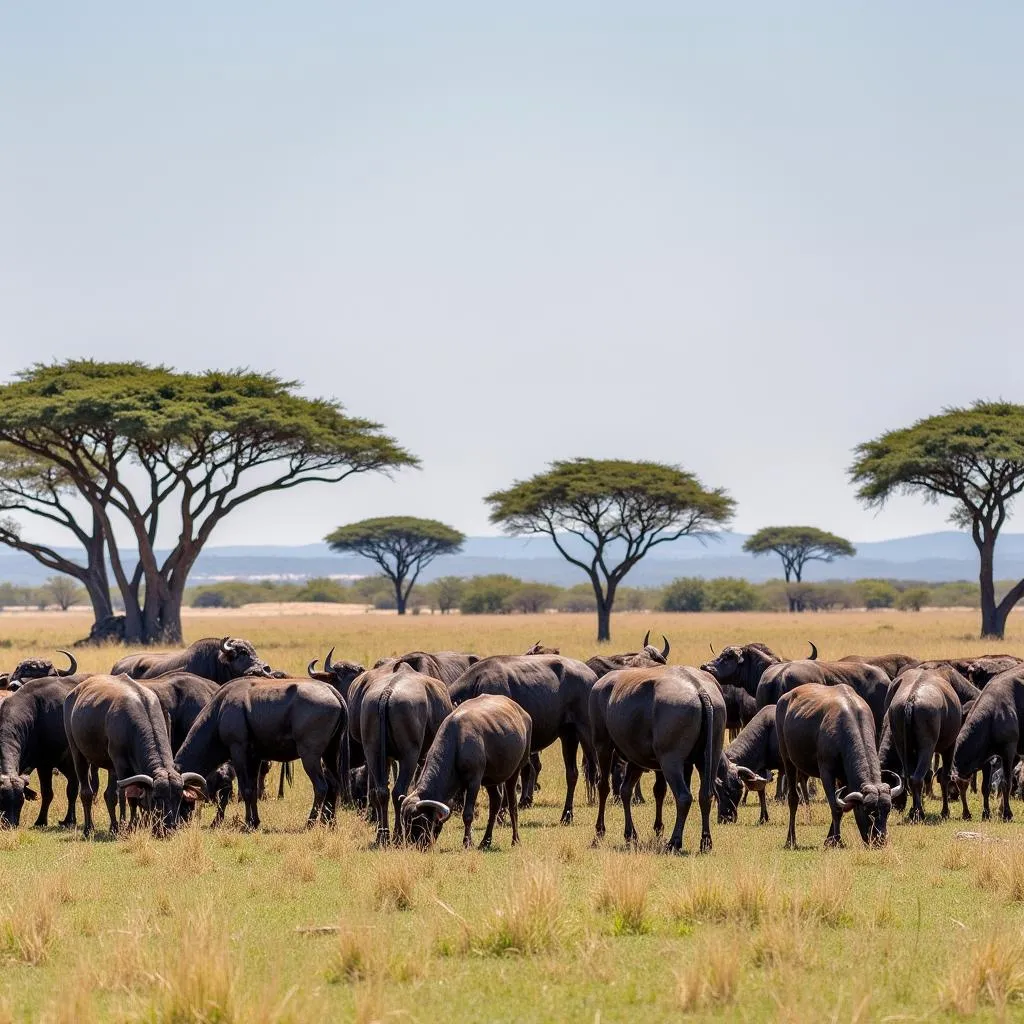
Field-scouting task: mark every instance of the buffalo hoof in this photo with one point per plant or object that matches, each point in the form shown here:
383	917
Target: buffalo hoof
671	847
763	820
790	844
967	816
525	805
986	815
66	824
834	843
658	829
566	818
1006	816
485	844
705	844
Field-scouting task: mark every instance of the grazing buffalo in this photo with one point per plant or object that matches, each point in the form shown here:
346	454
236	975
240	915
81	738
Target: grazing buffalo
339	674
117	723
964	690
740	708
399	715
828	732
444	665
251	720
554	691
992	729
485	742
40	668
924	719
667	718
755	753
891	664
220	660
32	737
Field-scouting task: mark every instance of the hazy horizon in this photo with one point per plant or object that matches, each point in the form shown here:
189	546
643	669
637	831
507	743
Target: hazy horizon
739	240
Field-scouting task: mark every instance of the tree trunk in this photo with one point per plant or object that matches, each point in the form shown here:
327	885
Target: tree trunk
168	629
400	598
605	601
992	623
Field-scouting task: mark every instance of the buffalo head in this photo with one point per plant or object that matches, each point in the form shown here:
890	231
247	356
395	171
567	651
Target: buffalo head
871	806
339	674
241	658
539	648
39	668
161	795
422	819
14	791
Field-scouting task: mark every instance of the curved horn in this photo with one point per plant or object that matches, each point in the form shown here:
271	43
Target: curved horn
72	668
136	780
846	802
311	668
194	779
328	664
894	791
225	645
712	646
814	652
647	638
666	648
435	805
747	774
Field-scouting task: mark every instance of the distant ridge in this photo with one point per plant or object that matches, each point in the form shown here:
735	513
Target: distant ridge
931	557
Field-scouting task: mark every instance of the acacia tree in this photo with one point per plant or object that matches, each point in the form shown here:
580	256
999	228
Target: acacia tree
972	456
108	450
796	546
619	510
401	545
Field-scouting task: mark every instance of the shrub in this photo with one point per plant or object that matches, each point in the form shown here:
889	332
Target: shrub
687	594
877	594
913	599
532	598
731	595
488	595
579	598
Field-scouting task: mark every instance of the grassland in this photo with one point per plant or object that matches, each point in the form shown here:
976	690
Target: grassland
290	925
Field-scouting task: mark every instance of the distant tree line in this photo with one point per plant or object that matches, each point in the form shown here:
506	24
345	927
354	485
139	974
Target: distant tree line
504	595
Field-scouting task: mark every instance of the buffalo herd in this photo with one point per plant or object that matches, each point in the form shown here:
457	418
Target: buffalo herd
415	738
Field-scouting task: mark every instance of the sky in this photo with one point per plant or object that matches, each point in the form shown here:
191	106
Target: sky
739	238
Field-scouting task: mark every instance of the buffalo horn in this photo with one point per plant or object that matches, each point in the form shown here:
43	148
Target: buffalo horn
647	638
666	648
712	646
311	668
814	652
328	667
225	645
747	775
894	791
846	802
136	780
72	668
435	805
194	779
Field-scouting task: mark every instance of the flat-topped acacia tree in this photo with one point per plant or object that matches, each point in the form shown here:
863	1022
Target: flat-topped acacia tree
403	546
618	509
975	458
796	546
115	450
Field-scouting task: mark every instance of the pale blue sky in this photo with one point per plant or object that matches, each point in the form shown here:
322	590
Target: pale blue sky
739	237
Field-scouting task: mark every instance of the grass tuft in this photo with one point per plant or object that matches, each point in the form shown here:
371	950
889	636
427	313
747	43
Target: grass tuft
529	918
395	879
711	978
622	893
989	973
28	931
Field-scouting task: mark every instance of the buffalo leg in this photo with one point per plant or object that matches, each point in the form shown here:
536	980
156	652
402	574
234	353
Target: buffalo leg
675	776
570	748
45	796
780	787
660	789
763	801
605	756
917	783
629	780
794	802
513	811
406	771
493	805
943	773
1008	757
70	818
247	770
110	799
313	764
828	783
86	790
468	810
986	789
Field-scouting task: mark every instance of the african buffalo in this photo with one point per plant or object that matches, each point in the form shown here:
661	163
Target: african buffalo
32	737
744	664
253	719
992	729
399	715
485	742
924	718
828	732
667	718
554	691
444	665
40	668
117	723
539	648
220	660
964	690
755	753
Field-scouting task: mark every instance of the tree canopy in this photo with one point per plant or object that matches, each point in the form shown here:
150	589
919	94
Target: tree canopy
401	545
619	510
972	456
796	546
108	448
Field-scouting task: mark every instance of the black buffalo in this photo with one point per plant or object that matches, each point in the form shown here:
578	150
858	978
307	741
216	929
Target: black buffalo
220	660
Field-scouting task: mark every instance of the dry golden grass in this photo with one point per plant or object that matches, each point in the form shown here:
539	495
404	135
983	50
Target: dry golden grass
990	972
711	978
623	892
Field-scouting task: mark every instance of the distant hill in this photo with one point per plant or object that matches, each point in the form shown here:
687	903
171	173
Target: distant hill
932	557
